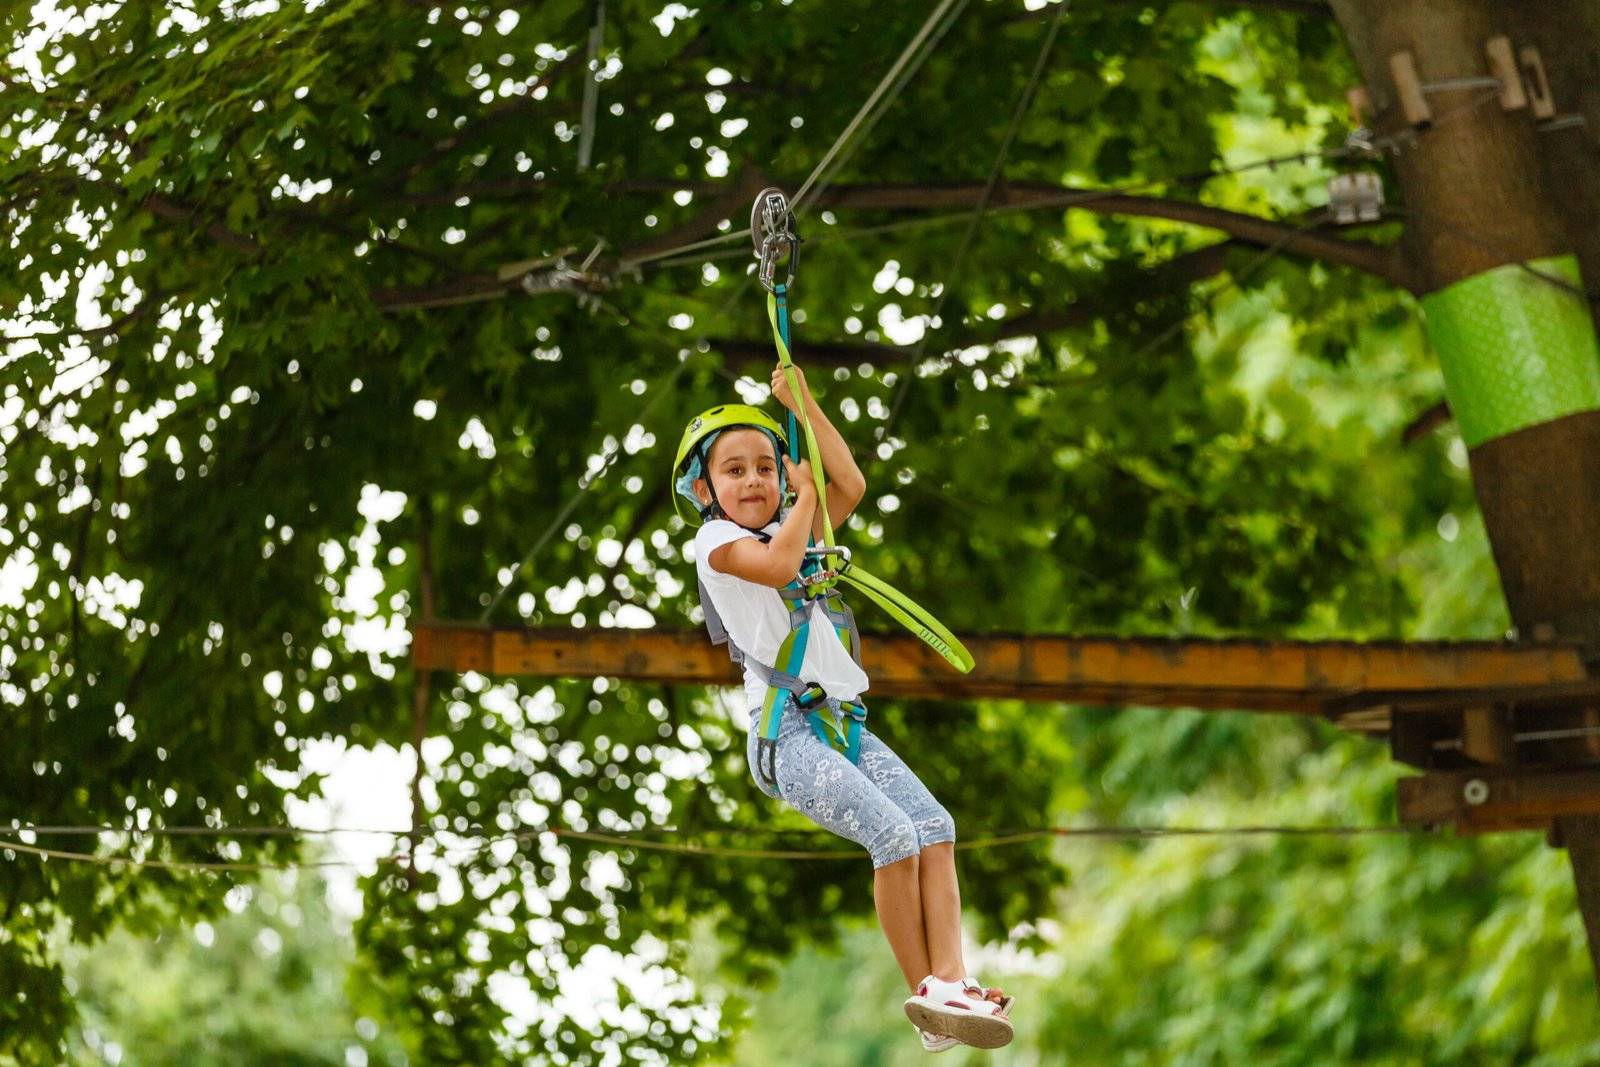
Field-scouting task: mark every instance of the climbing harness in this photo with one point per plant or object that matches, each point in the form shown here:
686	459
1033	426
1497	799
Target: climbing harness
808	588
841	732
824	566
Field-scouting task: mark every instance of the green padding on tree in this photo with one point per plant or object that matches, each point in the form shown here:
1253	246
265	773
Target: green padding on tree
1517	350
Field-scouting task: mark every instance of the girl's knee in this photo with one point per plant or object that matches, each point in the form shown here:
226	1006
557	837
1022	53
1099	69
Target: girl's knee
896	843
936	828
908	866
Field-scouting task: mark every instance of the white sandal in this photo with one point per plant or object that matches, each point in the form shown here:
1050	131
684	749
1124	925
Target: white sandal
948	1008
936	1042
996	995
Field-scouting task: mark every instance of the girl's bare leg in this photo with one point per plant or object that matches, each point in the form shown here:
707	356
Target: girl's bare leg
897	892
919	908
941	912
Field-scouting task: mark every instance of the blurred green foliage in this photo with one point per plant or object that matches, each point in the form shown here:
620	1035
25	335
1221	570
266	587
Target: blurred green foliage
265	983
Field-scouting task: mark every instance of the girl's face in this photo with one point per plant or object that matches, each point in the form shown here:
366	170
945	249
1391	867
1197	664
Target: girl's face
743	470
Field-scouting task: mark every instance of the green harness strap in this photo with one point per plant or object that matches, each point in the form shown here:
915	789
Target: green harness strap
778	315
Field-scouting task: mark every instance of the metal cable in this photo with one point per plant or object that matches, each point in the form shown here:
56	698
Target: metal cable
585	483
1389	142
899	74
588	480
591	87
632	840
954	275
906	55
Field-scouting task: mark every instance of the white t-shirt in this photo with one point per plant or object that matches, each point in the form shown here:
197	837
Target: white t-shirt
757	622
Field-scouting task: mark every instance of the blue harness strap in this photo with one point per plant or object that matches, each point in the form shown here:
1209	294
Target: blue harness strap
841	732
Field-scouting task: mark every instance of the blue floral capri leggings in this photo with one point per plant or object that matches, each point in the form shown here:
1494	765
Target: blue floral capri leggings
877	803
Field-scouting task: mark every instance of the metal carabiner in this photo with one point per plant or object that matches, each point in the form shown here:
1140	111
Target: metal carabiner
772	231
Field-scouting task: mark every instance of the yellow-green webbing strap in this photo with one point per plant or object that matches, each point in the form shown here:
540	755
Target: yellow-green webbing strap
910	614
902	608
787	363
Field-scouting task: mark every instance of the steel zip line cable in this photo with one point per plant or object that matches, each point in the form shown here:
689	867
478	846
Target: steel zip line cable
953	276
899	75
610	457
933	20
1002	839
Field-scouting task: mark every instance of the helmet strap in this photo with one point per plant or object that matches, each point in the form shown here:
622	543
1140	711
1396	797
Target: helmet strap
714	509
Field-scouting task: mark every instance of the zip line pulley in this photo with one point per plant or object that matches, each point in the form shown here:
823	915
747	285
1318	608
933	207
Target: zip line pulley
772	231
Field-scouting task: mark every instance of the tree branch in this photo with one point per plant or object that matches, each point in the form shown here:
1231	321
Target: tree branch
1182	270
171	211
1299	7
492	117
1380	261
1426	423
468	290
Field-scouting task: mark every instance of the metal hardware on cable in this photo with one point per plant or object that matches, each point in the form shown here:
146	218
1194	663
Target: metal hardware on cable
560	277
772	231
1355	198
1361	143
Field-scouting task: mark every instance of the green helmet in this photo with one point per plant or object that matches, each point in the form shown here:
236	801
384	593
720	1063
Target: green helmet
696	444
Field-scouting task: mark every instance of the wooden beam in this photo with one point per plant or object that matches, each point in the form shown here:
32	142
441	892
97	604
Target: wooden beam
1425	700
1335	678
1500	798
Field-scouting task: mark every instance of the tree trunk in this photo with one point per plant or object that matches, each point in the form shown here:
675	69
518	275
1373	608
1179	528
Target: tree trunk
1484	188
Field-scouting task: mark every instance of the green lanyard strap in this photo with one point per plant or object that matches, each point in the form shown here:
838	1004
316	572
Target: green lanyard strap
778	315
900	607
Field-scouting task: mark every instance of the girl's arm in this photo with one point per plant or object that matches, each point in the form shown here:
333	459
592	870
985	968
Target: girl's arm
846	484
776	562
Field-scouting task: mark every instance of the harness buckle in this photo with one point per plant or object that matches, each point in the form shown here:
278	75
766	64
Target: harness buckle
809	699
773	233
767	763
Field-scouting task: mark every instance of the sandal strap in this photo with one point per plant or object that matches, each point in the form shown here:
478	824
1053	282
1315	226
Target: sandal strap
990	995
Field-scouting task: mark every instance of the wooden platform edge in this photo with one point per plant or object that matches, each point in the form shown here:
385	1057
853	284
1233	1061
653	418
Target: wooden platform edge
1485	799
1357	685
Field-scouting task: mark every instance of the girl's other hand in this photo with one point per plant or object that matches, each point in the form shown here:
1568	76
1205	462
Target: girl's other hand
800	478
780	388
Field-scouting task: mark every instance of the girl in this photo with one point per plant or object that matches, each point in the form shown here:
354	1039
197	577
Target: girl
733	469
